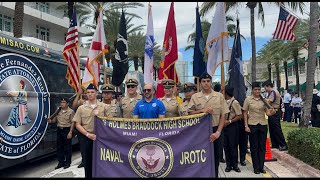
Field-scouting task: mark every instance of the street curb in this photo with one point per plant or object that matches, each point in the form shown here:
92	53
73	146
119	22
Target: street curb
298	165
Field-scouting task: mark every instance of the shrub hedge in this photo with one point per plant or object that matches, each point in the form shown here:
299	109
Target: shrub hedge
304	144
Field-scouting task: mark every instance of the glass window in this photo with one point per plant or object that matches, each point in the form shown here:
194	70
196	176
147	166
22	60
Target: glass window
294	70
290	71
1	23
43	33
6	23
43	7
302	67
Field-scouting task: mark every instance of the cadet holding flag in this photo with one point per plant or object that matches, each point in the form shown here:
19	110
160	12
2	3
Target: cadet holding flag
84	119
112	107
209	101
256	125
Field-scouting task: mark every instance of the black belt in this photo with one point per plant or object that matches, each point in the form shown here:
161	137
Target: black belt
63	127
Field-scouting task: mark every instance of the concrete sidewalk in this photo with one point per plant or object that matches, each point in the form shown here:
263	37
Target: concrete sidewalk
283	167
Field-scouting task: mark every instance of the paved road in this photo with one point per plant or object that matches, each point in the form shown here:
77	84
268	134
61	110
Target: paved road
45	168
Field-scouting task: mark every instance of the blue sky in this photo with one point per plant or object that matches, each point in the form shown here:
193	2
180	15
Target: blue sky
185	17
246	53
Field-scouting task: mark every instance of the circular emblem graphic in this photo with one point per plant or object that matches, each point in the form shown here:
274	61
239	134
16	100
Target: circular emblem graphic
151	157
25	105
154	104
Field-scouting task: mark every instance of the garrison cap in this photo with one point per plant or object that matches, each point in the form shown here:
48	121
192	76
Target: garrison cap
179	85
229	90
107	88
168	83
132	81
64	99
267	83
91	86
189	86
205	75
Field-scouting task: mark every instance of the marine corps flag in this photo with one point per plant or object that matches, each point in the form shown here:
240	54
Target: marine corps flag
120	63
169	54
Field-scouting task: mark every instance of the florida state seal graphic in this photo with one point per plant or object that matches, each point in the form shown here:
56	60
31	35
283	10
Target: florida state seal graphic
151	157
25	105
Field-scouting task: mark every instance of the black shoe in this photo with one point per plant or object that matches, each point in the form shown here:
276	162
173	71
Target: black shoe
256	171
228	169
263	171
66	166
81	165
59	166
243	163
222	160
236	169
283	148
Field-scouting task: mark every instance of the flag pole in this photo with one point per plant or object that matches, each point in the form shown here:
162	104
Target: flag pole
198	84
222	64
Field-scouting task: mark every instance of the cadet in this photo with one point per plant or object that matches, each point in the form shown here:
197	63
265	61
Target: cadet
149	106
63	117
231	130
84	119
80	98
176	91
169	99
256	125
276	134
130	100
189	89
113	109
209	101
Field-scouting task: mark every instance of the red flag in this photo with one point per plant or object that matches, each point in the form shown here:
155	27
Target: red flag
71	54
169	54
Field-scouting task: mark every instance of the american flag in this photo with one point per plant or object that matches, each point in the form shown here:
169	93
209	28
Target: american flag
71	54
285	26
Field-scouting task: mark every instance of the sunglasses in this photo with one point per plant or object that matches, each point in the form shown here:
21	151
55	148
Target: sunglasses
205	81
147	90
167	87
131	86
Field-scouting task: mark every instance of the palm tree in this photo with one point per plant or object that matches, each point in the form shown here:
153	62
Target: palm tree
270	54
205	25
18	19
292	47
314	33
87	10
207	6
111	26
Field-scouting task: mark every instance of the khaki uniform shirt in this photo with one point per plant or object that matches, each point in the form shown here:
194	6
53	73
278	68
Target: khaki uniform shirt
235	108
64	118
171	106
85	115
256	110
215	100
127	105
183	108
276	103
113	109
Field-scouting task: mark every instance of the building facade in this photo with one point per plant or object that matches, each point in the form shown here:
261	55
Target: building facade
43	24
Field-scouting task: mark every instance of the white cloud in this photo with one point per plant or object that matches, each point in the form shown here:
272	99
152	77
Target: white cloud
185	18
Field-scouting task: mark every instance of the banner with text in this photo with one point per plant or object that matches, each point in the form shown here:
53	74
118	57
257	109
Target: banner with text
168	147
